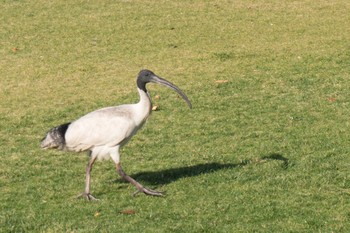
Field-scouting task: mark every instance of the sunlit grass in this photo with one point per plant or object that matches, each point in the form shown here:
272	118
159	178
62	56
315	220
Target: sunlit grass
265	148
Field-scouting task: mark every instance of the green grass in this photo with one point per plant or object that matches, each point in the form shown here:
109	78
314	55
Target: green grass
265	151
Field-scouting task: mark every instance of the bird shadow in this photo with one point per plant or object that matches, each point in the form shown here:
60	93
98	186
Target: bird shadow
279	157
172	174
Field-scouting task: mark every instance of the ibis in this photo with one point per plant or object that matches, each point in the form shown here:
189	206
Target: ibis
104	131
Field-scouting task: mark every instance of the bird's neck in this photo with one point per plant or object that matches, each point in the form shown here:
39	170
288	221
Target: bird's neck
144	106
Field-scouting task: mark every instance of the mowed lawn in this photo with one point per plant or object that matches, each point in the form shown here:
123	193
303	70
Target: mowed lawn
264	149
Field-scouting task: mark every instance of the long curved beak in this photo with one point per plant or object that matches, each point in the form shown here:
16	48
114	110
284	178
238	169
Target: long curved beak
162	81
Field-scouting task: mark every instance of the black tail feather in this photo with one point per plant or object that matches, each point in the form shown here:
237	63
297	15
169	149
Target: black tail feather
55	138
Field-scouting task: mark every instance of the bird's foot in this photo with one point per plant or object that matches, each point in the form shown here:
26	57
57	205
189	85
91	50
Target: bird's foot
148	192
87	196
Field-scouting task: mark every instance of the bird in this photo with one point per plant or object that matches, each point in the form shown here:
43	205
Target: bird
104	131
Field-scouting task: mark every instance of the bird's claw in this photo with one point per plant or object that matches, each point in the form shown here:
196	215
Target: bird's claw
87	196
148	192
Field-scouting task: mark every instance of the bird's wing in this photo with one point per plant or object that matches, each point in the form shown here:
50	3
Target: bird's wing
107	127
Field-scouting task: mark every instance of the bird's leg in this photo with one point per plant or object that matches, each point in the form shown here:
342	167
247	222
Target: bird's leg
139	187
86	194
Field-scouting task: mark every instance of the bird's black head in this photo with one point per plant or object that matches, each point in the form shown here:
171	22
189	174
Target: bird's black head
146	76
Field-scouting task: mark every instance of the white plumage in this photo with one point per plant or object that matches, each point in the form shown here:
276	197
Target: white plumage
104	131
107	127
